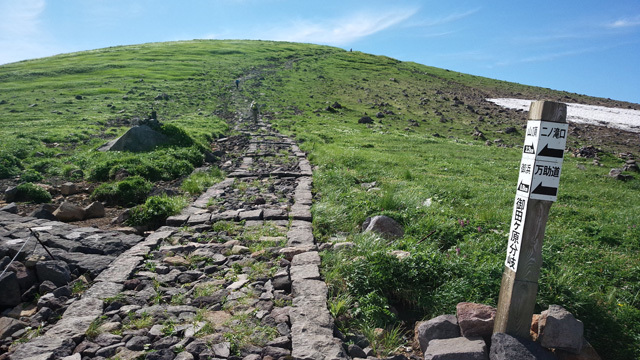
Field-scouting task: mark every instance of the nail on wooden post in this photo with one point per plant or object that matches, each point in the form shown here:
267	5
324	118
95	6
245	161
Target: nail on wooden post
518	290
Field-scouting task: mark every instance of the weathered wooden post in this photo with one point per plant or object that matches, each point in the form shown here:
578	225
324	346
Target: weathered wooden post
537	189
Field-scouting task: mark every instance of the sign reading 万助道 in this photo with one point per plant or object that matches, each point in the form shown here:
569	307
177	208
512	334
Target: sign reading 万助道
536	190
539	176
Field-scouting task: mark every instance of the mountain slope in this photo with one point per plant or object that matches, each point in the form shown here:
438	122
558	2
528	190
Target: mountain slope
437	157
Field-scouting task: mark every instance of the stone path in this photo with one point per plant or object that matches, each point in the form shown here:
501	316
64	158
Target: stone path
234	276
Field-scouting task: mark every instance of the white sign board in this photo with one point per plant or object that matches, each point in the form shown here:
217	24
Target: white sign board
538	177
542	154
515	232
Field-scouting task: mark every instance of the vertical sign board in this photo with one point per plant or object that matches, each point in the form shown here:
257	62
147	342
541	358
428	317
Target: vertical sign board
539	176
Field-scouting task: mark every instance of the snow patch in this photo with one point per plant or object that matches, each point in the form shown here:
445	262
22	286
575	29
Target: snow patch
623	119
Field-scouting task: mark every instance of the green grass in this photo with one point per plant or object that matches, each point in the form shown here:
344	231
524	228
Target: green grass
452	193
200	181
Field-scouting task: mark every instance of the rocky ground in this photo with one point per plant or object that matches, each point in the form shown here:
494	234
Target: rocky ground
236	275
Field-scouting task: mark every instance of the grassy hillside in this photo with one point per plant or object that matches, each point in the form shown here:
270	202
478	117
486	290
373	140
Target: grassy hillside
444	162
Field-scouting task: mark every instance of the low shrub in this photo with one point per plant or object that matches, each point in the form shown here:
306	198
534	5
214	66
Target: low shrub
32	193
31	175
161	164
156	210
178	136
9	166
128	192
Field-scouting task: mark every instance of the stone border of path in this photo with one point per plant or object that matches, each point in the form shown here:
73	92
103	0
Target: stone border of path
79	315
311	323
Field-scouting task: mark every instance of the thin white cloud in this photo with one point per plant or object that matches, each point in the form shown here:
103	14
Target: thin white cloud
625	23
551	56
447	18
21	36
339	31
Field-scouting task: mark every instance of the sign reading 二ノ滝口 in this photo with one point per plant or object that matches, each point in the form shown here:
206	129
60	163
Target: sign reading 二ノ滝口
538	177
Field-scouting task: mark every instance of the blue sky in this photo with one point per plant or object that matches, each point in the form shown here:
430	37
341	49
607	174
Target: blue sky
589	47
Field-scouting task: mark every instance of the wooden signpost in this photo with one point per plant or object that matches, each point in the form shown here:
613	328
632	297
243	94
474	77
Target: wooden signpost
538	180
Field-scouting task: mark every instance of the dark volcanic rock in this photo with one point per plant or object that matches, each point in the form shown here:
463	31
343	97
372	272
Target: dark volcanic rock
365	120
137	139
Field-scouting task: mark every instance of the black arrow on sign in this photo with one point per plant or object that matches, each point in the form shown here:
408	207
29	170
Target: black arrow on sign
551	152
545	190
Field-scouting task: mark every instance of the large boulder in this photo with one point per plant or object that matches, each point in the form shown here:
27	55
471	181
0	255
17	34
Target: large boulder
441	327
10	294
44	211
56	271
69	212
9	326
475	320
558	329
26	277
507	347
94	210
69	188
365	120
137	139
10	208
383	225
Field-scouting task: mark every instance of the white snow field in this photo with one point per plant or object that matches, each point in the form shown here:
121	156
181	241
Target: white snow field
624	119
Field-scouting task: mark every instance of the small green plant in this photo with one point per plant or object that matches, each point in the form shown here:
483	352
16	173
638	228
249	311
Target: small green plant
384	342
199	181
229	227
156	210
205	289
78	286
245	330
32	193
144	321
150	265
94	328
31	175
128	192
339	305
169	328
178	299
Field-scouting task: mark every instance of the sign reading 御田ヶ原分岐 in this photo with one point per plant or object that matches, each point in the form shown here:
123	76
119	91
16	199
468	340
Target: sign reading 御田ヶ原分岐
536	190
538	177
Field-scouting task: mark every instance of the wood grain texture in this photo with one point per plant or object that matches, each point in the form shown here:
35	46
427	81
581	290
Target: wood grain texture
518	289
548	111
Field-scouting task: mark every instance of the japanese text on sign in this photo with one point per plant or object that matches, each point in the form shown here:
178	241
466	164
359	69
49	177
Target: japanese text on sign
515	232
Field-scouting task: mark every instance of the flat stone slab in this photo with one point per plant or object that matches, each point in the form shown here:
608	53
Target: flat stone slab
316	346
302	272
300	212
44	348
460	348
120	269
84	307
274	214
309	288
250	215
299	236
104	290
177	220
307	258
229	215
198	219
